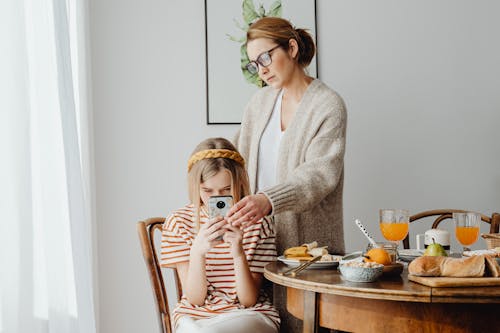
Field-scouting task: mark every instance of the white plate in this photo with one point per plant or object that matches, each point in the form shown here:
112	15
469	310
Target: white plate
314	265
354	256
409	254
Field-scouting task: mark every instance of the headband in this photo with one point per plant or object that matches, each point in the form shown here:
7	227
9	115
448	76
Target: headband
215	153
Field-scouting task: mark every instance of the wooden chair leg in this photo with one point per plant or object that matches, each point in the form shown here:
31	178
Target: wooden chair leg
495	223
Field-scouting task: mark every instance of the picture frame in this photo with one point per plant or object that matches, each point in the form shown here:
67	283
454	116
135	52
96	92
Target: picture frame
228	88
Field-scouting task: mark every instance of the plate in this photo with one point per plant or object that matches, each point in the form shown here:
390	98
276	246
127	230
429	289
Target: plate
315	265
354	256
394	269
409	254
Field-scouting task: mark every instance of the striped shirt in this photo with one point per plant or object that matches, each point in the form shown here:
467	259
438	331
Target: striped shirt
178	233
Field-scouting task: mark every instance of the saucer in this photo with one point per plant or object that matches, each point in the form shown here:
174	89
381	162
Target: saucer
394	269
408	255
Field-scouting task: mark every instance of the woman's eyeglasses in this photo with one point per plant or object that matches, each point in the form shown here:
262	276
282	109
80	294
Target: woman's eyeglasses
264	60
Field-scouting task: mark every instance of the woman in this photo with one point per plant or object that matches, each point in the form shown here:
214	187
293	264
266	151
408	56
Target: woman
293	138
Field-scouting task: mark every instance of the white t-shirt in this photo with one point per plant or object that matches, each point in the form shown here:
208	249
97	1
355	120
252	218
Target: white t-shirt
268	148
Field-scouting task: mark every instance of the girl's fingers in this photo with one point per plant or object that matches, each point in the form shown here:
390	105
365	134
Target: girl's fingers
214	220
232	228
216	226
211	238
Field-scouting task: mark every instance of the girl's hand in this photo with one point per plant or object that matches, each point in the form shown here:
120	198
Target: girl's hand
206	237
234	236
249	210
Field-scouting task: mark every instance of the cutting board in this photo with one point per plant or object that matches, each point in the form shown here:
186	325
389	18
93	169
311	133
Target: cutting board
455	281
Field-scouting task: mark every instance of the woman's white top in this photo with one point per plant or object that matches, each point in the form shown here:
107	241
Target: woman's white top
268	148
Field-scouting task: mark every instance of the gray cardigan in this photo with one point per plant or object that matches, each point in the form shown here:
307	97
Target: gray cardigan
307	202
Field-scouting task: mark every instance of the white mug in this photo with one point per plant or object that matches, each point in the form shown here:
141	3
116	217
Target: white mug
439	236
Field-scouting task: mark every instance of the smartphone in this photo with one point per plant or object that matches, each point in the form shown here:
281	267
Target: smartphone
219	205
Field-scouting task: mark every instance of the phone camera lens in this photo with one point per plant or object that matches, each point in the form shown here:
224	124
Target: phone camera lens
221	204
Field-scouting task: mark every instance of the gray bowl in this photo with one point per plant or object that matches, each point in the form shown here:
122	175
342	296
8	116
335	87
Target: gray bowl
361	274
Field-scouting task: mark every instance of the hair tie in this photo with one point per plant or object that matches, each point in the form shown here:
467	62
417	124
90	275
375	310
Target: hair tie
215	153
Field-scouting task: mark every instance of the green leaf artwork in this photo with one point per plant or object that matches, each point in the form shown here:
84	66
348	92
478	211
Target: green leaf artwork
250	15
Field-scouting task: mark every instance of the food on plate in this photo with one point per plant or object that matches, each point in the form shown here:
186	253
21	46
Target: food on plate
318	251
298	251
378	255
476	266
495	253
308	258
308	251
330	257
311	245
435	249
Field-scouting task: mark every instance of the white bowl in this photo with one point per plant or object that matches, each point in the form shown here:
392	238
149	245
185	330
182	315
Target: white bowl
361	274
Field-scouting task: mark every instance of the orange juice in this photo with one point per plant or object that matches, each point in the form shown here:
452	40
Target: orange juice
467	235
394	231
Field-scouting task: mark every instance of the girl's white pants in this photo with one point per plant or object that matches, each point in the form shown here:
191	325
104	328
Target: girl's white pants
239	321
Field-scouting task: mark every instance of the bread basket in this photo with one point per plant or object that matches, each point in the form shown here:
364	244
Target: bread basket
492	240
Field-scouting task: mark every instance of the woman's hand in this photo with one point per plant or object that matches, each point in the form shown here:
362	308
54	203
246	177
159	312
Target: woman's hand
249	210
234	236
206	237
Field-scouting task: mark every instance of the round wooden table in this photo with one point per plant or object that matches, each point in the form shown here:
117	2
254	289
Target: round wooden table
391	304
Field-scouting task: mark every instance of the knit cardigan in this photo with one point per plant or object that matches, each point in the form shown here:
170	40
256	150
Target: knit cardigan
307	200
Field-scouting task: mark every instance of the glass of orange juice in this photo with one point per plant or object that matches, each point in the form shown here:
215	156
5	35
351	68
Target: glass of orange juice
467	228
394	224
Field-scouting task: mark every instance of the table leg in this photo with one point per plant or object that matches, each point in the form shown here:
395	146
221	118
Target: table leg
310	312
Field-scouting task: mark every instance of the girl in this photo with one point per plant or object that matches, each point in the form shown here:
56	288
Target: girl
221	279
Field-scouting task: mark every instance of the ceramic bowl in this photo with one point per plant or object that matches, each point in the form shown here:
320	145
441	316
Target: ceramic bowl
361	274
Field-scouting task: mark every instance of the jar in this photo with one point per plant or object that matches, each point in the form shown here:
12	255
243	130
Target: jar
391	248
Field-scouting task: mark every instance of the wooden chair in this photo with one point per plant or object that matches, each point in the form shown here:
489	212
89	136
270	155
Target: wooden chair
147	230
443	214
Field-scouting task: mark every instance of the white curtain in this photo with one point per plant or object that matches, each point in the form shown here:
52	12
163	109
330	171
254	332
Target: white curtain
46	268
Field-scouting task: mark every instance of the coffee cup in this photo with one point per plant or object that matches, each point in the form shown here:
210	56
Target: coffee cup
439	236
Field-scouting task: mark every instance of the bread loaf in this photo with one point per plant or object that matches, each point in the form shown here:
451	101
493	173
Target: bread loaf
455	267
492	267
426	266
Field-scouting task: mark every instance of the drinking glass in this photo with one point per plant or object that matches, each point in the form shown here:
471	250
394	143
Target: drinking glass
394	224
466	228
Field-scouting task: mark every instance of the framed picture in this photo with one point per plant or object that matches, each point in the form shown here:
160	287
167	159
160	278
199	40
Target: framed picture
229	85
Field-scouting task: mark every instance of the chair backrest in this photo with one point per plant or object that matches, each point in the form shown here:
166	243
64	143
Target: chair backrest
443	214
146	230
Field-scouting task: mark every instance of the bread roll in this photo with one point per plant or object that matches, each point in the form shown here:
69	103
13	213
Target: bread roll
311	245
426	266
318	251
445	266
492	267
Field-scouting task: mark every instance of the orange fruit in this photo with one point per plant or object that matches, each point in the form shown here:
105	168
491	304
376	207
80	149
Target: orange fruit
378	255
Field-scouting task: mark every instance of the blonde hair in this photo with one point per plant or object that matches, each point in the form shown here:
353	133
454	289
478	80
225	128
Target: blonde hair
281	31
208	167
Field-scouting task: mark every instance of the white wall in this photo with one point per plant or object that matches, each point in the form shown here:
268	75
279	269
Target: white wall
420	80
